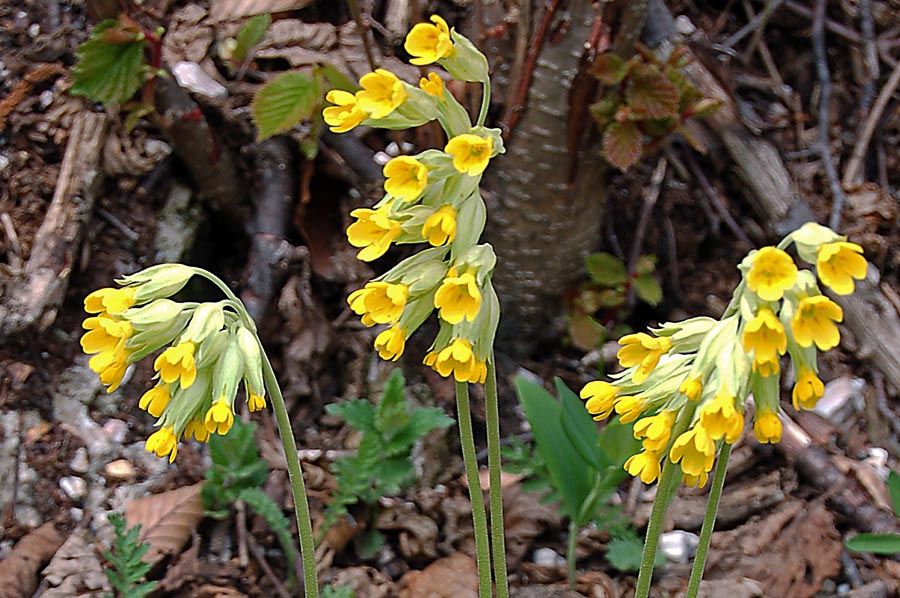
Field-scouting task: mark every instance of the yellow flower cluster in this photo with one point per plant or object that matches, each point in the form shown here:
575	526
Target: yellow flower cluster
432	197
686	386
210	349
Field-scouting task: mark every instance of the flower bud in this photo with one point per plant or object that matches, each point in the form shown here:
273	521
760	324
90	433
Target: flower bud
158	282
810	237
252	358
208	318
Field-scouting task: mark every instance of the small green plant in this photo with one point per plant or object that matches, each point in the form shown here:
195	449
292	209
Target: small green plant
584	465
125	557
330	591
644	102
382	464
601	298
881	543
237	473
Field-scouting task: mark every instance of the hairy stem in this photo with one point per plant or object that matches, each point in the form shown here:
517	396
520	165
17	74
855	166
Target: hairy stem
498	542
709	522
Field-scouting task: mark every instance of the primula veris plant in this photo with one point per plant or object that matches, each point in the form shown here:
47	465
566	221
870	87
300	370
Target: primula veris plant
686	385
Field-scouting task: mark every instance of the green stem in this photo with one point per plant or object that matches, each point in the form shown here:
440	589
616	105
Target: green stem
570	553
498	542
709	522
479	519
485	103
298	487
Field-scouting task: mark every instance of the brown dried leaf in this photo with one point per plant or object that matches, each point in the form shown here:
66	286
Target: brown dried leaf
418	533
18	571
365	582
525	518
622	144
167	520
455	576
235	9
75	571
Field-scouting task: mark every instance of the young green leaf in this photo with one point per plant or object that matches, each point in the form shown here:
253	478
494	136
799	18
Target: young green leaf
106	72
127	567
359	413
580	428
605	269
651	94
648	290
263	505
622	144
893	484
609	69
253	31
283	103
875	543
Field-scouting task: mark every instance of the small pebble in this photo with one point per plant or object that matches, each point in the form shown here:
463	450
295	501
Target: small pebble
116	429
678	546
46	98
120	469
684	26
548	557
34	29
74	487
27	516
80	462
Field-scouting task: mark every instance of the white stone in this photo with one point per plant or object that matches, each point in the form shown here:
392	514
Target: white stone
191	76
548	557
678	546
80	462
74	487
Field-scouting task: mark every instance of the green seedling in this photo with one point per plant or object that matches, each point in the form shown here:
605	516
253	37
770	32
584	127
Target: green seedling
127	569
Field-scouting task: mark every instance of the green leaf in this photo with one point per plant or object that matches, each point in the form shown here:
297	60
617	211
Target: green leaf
570	474
605	110
110	73
253	31
359	413
236	448
585	332
336	79
622	144
283	103
579	427
392	412
263	505
875	543
609	69
651	94
368	543
893	484
611	298
648	290
605	269
617	441
393	475
624	552
421	421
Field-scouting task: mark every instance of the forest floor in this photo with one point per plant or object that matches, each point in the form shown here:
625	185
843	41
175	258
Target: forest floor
71	454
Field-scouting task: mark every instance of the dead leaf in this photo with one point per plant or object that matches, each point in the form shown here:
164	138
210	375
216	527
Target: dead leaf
220	10
418	533
18	571
366	582
166	519
75	571
525	518
455	576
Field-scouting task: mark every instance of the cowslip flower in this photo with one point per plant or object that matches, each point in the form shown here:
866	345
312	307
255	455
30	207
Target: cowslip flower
644	465
694	450
764	336
109	300
432	85
458	297
256	402
196	428
471	153
767	427
600	398
807	390
771	274
629	408
390	343
379	302
346	113
106	336
440	228
163	443
374	231
406	178
655	431
720	418
457	358
814	322
382	93
219	418
642	350
427	43
692	388
838	264
766	365
695	481
155	400
177	363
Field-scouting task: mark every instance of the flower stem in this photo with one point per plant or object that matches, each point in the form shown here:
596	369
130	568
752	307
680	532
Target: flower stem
570	553
479	519
485	103
498	542
709	522
298	487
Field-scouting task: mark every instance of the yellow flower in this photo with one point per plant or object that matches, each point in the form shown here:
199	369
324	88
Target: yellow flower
655	430
645	464
600	397
429	43
808	389
719	418
106	337
692	388
629	408
432	85
471	153
771	274
219	418
109	300
695	481
838	264
767	427
256	402
695	450
764	335
155	400
458	297
197	429
162	443
459	359
346	114
406	178
644	351
379	302
382	93
177	362
767	366
440	227
374	231
814	322
390	343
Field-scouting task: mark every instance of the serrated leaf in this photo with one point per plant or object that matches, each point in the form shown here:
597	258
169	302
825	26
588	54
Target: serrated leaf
263	505
253	31
167	519
110	73
236	448
605	269
605	110
875	543
650	93
283	103
648	290
609	69
622	144
392	412
624	553
359	413
421	421
611	298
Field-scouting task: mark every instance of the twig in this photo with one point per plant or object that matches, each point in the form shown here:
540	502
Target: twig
364	32
824	149
257	553
760	45
870	54
862	143
716	200
757	23
650	195
14	256
118	225
241	528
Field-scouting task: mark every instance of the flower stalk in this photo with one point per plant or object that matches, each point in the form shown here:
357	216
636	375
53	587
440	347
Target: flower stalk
709	522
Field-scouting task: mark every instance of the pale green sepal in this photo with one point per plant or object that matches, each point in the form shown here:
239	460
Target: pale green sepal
496	136
716	341
228	372
151	338
419	108
157	282
480	258
416	312
810	237
211	349
407	269
470	220
186	403
466	63
156	312
426	278
765	392
452	116
251	354
686	335
208	318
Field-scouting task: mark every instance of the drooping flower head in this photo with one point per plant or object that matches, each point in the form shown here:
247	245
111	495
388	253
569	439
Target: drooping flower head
771	274
432	85
163	443
767	427
428	42
440	228
814	322
155	400
109	300
256	402
219	418
655	431
458	297
107	336
600	397
695	451
720	418
406	178
471	153
374	231
838	264
379	302
382	93
457	358
644	351
692	388
390	343
177	363
345	114
645	464
807	390
764	336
